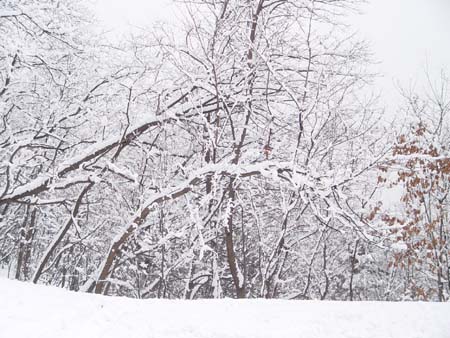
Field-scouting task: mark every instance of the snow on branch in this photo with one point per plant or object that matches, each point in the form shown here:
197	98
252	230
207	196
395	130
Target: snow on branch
44	182
9	13
269	169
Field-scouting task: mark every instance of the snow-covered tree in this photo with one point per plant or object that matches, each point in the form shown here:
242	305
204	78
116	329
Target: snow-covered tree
233	155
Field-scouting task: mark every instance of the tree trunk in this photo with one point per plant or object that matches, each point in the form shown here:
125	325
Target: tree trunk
238	279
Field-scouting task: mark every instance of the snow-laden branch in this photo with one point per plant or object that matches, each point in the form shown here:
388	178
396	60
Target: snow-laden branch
273	170
60	234
44	182
4	13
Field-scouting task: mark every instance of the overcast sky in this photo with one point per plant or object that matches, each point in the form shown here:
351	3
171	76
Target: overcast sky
405	35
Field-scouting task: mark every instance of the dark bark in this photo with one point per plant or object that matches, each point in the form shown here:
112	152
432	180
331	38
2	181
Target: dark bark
61	233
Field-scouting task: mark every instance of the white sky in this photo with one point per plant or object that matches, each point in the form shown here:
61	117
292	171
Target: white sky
405	35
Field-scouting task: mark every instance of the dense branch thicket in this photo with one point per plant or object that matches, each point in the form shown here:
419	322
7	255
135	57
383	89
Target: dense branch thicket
235	156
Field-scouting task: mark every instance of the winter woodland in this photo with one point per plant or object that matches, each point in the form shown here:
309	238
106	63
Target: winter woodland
239	153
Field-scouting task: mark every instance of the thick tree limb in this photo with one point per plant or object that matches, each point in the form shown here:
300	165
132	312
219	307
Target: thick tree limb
43	183
61	233
268	169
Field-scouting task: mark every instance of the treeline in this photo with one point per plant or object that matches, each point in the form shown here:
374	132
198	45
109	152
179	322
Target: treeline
236	155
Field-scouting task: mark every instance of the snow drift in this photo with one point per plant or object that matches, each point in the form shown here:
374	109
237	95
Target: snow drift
45	312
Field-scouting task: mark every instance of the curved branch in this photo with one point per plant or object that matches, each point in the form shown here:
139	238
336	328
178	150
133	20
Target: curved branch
268	169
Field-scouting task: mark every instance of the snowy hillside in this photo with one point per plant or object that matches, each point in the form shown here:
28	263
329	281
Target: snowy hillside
43	312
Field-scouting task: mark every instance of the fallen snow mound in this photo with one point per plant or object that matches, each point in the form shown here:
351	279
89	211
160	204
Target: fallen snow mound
33	311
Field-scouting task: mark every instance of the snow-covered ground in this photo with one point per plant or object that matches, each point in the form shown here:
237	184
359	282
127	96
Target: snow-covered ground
32	311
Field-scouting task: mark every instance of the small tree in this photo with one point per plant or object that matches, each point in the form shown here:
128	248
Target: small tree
421	233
